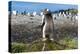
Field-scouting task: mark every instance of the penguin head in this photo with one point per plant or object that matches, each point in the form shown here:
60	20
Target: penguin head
46	11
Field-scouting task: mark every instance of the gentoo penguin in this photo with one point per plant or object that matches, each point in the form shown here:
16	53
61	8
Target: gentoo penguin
47	25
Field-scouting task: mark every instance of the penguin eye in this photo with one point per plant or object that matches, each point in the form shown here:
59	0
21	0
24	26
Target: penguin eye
47	9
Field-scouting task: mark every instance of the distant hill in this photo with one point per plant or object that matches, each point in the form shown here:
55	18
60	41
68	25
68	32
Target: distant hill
73	11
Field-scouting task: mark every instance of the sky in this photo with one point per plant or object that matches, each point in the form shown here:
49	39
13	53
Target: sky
34	6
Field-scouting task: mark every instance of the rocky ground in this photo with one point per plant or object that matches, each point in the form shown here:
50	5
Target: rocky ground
26	29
